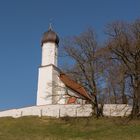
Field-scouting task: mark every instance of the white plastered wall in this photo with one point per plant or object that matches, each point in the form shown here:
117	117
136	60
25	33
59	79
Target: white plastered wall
49	54
45	75
59	89
50	110
116	110
44	92
60	110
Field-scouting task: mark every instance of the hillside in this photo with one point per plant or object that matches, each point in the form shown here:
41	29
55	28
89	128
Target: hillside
35	128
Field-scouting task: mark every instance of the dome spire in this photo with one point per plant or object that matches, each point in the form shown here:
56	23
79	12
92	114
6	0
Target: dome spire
50	36
50	26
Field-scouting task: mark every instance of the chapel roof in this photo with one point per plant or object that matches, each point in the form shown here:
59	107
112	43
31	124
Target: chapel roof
74	85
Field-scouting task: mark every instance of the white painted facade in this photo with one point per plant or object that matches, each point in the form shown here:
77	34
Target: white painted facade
44	93
45	77
59	88
51	90
49	54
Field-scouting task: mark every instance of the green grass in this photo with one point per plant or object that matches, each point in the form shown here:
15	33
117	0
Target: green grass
35	128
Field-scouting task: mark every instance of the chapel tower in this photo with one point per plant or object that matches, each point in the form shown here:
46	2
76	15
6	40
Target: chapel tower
49	45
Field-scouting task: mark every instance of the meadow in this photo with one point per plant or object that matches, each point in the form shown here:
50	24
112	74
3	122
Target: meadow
44	128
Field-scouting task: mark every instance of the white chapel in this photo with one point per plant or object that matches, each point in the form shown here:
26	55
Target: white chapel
54	86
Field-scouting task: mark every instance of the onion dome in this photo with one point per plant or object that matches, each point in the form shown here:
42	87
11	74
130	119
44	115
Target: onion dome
50	36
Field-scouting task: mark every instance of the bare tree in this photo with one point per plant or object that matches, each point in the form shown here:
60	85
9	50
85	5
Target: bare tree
82	50
116	65
113	74
124	43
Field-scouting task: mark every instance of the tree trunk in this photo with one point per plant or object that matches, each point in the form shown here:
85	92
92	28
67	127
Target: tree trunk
136	99
124	98
136	108
96	109
115	96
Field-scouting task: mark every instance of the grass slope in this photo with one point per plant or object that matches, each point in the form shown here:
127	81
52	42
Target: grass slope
35	128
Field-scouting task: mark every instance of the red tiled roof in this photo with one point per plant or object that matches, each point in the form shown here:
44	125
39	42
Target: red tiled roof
74	85
71	100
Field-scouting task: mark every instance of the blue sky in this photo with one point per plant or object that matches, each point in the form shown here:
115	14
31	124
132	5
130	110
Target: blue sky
22	23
